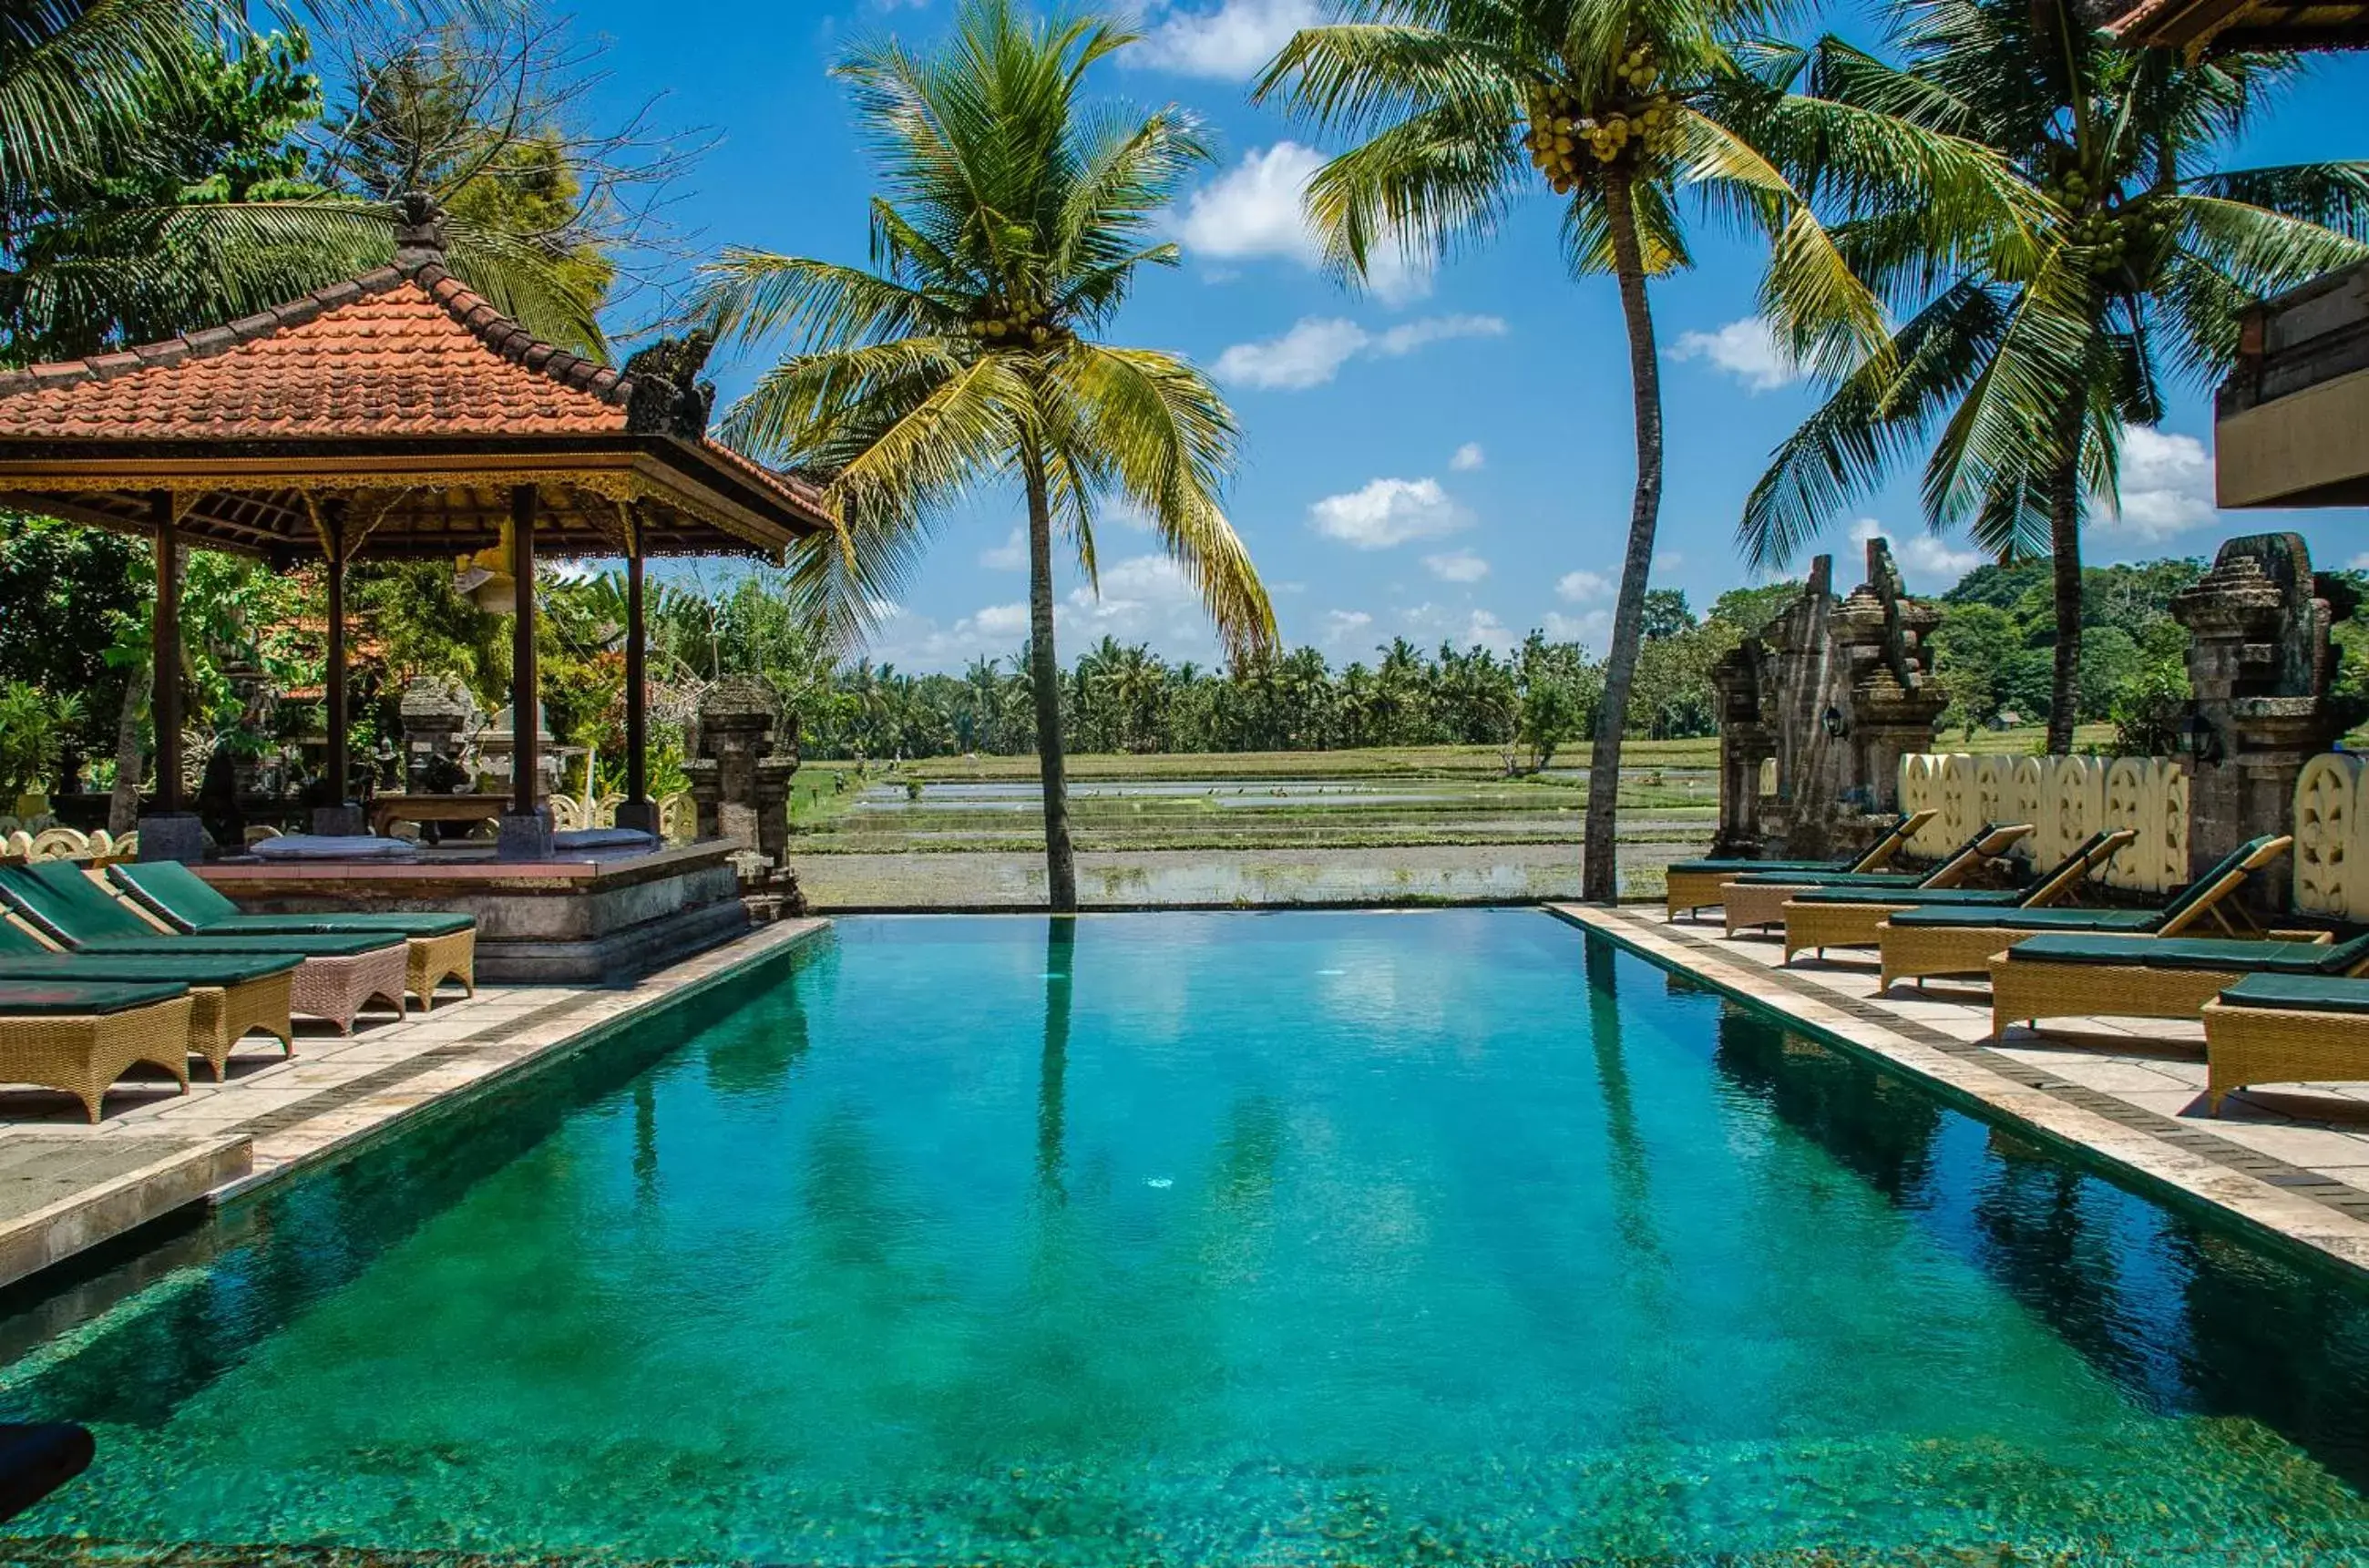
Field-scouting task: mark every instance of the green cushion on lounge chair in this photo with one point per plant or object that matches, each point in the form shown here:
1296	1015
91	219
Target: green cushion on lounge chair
23	956
183	899
2174	952
2198	887
2136	921
1832	878
2299	993
68	906
69	999
1847	891
1841	866
194	969
1919	897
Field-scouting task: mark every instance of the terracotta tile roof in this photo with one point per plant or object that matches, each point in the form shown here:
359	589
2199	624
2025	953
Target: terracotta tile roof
400	351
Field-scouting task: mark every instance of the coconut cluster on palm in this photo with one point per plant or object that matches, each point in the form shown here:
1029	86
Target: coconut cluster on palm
1569	135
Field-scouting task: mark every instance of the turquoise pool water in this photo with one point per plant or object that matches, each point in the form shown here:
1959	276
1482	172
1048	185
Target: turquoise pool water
1228	1238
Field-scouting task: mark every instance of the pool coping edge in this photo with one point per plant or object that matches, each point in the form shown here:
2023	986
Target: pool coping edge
2294	1222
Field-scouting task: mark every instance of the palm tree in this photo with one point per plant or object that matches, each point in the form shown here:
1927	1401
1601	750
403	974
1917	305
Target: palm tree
1014	221
2033	346
1616	106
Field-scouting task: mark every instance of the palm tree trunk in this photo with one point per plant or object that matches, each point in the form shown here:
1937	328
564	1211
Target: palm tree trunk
1600	878
1045	676
124	803
2064	549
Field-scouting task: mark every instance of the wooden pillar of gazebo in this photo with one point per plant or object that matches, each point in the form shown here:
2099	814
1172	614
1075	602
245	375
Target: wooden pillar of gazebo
336	814
636	810
525	830
167	831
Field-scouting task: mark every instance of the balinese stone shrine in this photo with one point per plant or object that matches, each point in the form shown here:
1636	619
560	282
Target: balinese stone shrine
1836	691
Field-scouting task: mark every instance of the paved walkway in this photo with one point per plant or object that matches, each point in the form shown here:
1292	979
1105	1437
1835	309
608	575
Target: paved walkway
65	1185
2293	1160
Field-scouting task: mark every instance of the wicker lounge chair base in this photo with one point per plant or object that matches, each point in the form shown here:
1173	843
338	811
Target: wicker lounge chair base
1822	926
221	1016
2250	1046
1750	905
432	960
1691	892
85	1055
337	989
1924	951
2026	993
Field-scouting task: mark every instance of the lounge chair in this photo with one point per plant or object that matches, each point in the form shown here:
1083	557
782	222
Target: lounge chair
2077	975
2278	1029
232	995
82	1036
1821	917
1759	897
440	947
339	977
1921	943
1694	883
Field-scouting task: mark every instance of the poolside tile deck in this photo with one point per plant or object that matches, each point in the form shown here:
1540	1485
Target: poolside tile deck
2292	1162
62	1180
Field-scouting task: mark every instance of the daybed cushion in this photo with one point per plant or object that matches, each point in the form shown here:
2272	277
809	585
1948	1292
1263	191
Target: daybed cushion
2299	993
65	998
2174	952
603	839
322	846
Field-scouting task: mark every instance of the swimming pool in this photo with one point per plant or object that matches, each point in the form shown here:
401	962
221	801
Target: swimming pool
1226	1238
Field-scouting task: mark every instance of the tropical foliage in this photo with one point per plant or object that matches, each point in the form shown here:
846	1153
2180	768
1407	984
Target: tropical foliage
156	177
1013	221
2036	336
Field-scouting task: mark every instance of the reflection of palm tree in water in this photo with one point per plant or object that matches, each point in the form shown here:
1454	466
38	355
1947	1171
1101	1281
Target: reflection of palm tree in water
646	1140
1630	1170
1060	962
1644	1526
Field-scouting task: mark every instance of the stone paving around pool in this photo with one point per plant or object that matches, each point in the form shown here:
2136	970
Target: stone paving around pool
2290	1161
65	1185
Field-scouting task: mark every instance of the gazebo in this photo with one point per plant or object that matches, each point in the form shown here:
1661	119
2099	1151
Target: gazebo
394	414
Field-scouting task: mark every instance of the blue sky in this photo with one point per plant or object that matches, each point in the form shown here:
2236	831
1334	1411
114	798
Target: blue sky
1447	456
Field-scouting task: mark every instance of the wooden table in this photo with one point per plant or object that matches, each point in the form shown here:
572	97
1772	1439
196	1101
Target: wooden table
388	810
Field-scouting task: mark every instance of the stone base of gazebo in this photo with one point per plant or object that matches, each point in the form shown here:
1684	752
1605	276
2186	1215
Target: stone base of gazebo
587	921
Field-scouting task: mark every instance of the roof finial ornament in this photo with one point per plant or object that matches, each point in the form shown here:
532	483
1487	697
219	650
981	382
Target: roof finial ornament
419	238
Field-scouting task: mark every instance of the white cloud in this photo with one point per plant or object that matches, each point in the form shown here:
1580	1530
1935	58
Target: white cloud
2359	563
1468	457
1001	621
1667	560
1745	350
1581	586
1317	347
2167	485
1009	556
1490	633
1230	40
1308	355
1340	626
1593	629
1928	563
1457	566
1252	210
1389	511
